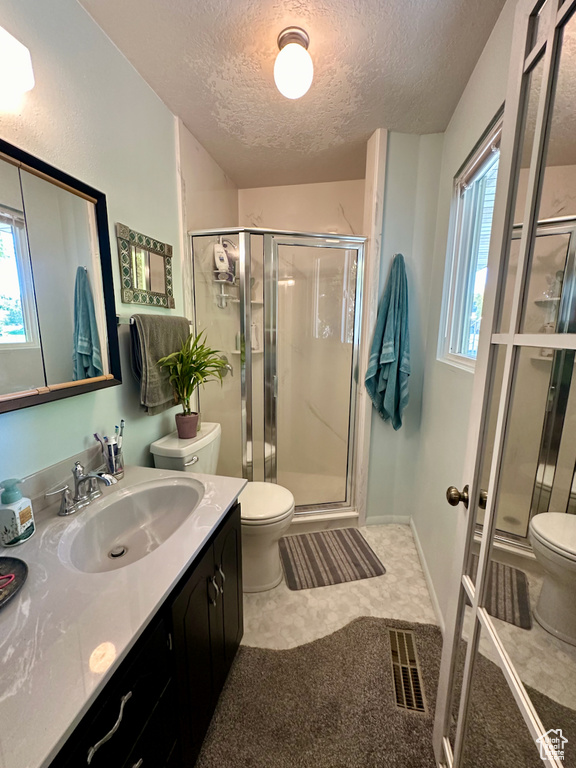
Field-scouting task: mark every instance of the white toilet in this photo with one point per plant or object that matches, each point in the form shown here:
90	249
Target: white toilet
267	509
553	539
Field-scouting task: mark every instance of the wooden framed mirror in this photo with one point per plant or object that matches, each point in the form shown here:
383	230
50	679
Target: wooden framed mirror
58	335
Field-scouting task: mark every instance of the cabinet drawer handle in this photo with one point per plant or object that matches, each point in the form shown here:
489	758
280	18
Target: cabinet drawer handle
92	751
214	583
223	577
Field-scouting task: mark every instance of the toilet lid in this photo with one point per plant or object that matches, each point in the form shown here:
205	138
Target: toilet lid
265	503
556	530
174	448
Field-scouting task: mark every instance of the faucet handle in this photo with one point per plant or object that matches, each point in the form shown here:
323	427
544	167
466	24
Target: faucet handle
78	470
66	505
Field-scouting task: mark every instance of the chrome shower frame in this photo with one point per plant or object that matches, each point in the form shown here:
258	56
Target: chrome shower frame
272	240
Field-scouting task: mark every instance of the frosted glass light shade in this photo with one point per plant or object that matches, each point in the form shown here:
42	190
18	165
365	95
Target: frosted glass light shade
293	71
17	75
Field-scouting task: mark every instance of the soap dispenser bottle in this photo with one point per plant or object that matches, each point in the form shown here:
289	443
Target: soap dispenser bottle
16	516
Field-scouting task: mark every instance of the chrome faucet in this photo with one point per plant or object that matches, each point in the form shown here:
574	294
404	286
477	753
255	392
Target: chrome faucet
85	489
86	485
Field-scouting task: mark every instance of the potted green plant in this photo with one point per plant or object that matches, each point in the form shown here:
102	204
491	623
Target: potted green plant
192	365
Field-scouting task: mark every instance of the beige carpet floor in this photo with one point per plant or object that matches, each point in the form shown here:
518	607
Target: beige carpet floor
331	704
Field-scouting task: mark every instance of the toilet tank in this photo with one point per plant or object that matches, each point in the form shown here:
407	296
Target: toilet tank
199	454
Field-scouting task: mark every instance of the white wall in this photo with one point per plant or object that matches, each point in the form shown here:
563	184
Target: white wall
412	170
447	390
209	197
335	206
91	115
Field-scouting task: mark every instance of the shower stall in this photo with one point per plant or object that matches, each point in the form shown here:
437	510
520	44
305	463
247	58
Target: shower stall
284	309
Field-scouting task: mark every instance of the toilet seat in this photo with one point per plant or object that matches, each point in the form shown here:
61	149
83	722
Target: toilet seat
264	503
556	531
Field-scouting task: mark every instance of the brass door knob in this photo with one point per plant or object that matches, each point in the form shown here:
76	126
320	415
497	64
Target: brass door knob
483	499
454	497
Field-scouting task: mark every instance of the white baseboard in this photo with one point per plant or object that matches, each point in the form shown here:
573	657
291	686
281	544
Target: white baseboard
388	520
429	583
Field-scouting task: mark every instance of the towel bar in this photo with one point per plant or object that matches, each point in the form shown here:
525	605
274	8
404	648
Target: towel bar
130	321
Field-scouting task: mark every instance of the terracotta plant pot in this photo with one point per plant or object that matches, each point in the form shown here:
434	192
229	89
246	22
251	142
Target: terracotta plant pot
187	425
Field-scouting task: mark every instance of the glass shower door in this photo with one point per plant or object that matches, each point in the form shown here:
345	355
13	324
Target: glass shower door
310	356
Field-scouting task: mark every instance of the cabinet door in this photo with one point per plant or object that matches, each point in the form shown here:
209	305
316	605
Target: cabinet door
114	723
228	620
155	744
191	623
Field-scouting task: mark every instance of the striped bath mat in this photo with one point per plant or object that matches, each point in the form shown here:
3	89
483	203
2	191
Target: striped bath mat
508	595
330	557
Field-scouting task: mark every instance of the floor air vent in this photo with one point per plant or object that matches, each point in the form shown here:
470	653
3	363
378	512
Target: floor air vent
406	671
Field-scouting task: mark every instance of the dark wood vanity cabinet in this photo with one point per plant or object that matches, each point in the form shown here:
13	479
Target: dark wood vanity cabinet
138	701
156	709
208	626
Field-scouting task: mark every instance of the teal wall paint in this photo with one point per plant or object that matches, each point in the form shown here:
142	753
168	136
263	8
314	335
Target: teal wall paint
93	116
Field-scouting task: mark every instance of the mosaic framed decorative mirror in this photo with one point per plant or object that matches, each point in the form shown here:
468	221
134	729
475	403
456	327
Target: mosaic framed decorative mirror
145	269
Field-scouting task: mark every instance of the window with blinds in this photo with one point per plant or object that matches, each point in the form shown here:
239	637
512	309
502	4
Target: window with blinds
468	247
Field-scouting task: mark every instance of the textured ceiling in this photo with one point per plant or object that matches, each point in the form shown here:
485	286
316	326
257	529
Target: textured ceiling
397	64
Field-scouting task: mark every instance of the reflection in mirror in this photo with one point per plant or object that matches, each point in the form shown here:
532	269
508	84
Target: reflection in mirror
496	733
146	269
459	663
487	451
559	185
530	395
545	664
520	188
21	365
58	335
61	231
547	305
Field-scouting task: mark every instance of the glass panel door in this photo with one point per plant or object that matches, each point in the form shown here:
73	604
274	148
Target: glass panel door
522	450
310	364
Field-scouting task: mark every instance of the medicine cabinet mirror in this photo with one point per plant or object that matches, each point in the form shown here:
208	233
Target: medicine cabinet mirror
58	334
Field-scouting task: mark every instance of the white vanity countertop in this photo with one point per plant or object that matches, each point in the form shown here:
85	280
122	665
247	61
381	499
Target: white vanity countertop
49	630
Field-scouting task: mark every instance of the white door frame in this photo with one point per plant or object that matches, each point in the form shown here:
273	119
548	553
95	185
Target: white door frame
510	342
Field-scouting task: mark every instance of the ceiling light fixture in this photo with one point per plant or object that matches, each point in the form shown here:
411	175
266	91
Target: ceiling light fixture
293	68
16	67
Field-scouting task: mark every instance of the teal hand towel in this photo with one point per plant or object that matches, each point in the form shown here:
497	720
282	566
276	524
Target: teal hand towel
86	356
389	364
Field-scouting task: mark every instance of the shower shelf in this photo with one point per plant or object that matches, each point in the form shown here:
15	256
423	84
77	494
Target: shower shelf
547	302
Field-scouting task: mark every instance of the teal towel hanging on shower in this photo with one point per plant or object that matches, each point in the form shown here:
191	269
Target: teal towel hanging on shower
389	364
86	357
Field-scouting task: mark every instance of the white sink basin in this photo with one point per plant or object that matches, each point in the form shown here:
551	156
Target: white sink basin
129	523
